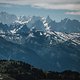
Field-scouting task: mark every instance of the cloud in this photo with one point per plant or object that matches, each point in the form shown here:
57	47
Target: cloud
48	4
73	13
39	1
58	6
5	5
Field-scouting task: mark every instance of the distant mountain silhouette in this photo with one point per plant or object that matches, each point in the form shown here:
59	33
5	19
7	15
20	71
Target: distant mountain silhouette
6	18
66	25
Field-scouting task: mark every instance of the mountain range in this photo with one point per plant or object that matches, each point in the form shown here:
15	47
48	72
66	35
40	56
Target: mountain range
65	25
40	41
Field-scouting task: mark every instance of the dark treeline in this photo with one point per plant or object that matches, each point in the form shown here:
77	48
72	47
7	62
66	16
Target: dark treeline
17	70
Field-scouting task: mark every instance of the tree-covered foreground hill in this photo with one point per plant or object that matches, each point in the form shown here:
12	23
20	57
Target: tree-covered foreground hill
17	70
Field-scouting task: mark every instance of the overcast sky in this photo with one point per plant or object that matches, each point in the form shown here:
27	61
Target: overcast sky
68	7
39	1
48	4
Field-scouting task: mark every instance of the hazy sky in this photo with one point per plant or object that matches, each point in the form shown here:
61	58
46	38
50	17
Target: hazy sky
57	9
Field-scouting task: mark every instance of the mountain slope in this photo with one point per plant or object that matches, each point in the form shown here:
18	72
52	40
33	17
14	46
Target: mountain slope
9	50
41	49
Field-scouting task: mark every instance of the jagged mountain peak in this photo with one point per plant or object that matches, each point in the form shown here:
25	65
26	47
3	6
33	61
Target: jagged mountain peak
65	25
24	18
48	19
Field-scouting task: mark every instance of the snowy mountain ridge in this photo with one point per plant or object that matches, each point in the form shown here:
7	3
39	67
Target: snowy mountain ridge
23	24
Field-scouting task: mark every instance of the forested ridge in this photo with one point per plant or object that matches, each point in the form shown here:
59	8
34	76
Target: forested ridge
17	70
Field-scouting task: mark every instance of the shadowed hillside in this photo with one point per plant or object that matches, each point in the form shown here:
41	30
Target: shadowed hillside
17	70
